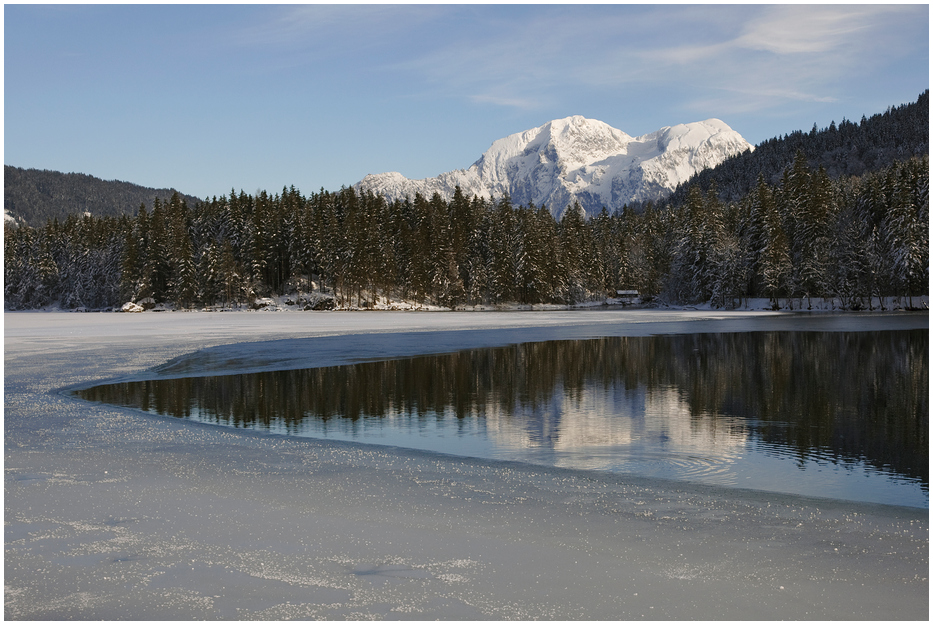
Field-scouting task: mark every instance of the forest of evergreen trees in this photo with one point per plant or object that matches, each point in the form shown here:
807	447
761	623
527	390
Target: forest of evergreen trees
849	149
805	236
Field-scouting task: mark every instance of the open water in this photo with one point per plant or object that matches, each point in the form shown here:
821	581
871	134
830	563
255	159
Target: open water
832	414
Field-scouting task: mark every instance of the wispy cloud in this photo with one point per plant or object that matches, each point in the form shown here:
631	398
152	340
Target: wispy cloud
518	103
802	53
808	29
794	52
525	57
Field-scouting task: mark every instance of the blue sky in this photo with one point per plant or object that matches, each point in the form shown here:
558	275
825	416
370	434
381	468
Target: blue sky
213	97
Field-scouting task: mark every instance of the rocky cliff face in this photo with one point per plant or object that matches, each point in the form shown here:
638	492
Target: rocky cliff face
579	159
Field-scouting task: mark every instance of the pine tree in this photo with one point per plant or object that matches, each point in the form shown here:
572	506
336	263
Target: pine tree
651	251
462	224
131	265
813	236
230	275
775	263
156	272
508	253
906	227
728	274
182	284
607	254
446	287
849	252
626	235
478	268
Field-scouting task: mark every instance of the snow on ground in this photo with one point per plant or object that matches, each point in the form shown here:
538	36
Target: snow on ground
110	514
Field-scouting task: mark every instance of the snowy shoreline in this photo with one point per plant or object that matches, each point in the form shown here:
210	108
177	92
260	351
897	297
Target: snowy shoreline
287	303
117	515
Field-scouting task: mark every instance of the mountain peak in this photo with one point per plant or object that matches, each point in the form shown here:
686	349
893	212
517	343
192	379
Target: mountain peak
579	159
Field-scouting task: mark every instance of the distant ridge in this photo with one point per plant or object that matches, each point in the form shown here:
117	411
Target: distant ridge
844	149
579	159
35	196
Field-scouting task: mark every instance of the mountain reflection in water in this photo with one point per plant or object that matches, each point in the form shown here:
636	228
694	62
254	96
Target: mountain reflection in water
694	406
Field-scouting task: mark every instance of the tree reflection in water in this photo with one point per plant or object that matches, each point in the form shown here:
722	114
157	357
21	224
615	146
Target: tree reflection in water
842	396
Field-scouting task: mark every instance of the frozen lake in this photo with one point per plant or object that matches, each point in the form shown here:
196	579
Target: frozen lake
114	514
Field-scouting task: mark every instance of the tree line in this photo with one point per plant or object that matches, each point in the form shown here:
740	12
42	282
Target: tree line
855	239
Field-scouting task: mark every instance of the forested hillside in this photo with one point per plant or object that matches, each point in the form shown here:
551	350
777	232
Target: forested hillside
849	149
808	236
845	216
35	196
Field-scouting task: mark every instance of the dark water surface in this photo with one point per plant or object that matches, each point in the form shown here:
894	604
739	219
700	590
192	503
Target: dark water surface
832	414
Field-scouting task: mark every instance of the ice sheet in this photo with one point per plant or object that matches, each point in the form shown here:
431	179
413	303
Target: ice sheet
117	515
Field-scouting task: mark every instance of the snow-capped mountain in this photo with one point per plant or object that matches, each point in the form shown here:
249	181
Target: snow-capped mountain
578	159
